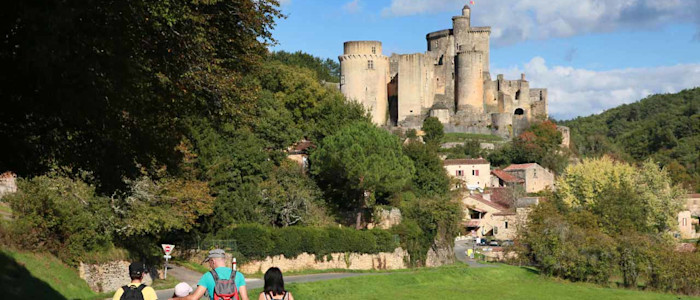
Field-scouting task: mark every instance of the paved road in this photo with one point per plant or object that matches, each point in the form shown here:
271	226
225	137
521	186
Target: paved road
461	255
192	277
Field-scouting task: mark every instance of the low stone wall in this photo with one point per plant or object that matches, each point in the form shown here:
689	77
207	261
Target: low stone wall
351	261
107	277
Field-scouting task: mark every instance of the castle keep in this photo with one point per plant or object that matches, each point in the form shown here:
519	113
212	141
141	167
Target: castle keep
450	81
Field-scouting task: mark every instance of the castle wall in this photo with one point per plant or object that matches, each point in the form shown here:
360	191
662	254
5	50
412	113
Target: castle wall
502	124
364	74
476	39
538	103
469	81
441	51
415	88
451	81
565	136
490	95
441	114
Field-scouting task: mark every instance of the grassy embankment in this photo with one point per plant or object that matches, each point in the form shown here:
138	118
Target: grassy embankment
460	282
40	276
25	275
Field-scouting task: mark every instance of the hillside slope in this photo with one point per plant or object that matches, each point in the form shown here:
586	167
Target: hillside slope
40	275
664	127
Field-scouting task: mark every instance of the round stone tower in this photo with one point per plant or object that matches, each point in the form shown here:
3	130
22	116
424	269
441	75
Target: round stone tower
466	12
469	88
364	75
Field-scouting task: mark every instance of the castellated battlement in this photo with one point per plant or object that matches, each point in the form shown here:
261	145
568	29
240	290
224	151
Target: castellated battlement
451	81
362	47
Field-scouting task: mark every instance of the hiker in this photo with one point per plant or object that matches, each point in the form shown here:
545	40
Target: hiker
136	289
221	283
274	286
182	289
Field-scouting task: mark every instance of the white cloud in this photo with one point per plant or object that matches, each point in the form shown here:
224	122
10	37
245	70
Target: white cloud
580	92
517	20
353	6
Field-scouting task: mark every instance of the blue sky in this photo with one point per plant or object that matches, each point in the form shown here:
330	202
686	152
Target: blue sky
591	54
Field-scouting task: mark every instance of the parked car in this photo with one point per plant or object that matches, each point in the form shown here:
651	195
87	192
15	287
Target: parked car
507	243
494	243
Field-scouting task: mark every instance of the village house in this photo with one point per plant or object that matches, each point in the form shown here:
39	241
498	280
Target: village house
692	203
500	178
488	215
535	177
299	153
688	221
471	173
8	183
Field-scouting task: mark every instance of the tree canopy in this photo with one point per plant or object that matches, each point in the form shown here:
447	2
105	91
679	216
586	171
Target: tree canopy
361	163
665	127
104	85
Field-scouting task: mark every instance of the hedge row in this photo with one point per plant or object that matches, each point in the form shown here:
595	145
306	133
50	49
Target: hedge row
257	241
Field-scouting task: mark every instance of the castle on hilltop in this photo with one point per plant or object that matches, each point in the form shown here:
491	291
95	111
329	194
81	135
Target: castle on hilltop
450	81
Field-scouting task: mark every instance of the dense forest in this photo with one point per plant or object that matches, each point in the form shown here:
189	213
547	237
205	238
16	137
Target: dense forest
664	127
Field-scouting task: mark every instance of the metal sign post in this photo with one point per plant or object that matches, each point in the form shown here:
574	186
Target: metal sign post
167	248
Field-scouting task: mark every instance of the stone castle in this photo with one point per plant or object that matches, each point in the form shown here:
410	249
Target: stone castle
450	81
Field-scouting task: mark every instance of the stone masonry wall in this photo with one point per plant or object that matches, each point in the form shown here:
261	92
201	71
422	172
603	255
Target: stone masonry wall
107	277
351	261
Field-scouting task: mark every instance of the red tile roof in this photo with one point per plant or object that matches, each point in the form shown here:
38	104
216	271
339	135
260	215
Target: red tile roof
7	175
471	223
453	162
693	195
489	203
301	147
520	166
507	177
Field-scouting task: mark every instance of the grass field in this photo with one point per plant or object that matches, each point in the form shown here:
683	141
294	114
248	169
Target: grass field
461	282
461	137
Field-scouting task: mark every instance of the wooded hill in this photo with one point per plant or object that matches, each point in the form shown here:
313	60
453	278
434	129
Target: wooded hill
664	127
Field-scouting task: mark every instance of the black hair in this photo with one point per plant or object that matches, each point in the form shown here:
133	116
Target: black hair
136	276
274	282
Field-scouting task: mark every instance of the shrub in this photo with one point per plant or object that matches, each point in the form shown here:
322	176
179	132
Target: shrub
257	241
251	239
428	222
675	272
61	215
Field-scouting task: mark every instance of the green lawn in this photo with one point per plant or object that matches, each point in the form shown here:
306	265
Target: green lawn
461	137
461	282
40	276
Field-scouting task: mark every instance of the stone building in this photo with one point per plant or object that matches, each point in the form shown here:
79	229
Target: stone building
8	183
299	153
686	225
500	178
688	221
471	173
450	81
485	216
692	203
535	177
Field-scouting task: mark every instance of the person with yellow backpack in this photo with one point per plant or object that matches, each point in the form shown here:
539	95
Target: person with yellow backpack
136	290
